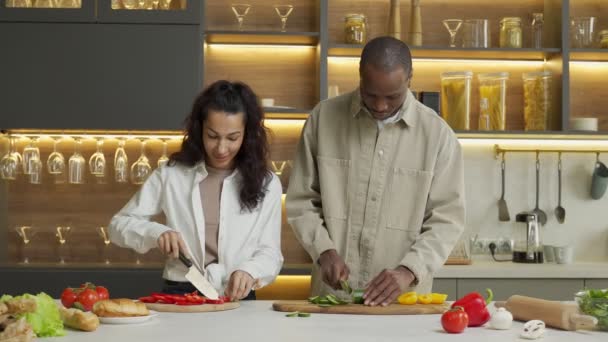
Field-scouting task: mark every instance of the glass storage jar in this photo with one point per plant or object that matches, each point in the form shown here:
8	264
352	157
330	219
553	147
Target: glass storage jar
456	98
604	39
493	99
510	32
355	28
537	100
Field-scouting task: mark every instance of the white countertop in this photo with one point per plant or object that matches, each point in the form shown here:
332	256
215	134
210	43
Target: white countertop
256	321
492	269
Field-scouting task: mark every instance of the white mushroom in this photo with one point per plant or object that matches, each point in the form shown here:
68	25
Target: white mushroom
533	329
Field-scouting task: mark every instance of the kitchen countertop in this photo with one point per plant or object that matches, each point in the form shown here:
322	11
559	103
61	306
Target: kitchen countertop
491	269
256	321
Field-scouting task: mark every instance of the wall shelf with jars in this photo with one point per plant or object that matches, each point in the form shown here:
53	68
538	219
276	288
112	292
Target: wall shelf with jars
588	64
294	57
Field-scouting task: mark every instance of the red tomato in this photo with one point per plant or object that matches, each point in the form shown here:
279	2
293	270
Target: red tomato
102	292
68	297
87	298
455	320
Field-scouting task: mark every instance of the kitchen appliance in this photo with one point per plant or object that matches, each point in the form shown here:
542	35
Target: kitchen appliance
528	247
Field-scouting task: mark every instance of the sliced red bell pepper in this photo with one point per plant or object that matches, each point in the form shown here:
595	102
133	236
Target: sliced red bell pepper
475	306
148	299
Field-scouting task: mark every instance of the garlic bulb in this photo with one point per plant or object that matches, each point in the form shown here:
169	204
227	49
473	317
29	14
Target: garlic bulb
501	319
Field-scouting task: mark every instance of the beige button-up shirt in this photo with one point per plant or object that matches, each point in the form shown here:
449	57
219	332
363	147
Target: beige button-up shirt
380	197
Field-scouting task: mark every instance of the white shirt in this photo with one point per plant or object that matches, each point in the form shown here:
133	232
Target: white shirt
247	241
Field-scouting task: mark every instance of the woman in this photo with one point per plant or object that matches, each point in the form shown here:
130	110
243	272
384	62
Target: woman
222	204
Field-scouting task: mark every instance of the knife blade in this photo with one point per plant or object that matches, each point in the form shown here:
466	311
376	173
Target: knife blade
199	281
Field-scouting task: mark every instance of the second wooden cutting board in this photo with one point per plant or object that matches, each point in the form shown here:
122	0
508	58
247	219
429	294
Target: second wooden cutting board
359	309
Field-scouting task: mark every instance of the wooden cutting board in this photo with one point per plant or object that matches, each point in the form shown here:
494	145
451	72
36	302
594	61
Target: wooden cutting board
192	308
359	309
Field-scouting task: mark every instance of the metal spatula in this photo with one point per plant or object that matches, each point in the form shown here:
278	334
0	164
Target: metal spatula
503	210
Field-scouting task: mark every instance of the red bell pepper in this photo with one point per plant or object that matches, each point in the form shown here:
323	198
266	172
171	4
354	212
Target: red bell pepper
475	306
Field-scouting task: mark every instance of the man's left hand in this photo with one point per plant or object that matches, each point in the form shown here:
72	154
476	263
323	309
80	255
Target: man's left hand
387	286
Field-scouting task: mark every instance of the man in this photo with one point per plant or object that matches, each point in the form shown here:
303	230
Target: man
376	195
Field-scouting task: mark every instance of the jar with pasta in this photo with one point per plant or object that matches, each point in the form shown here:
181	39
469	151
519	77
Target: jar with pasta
456	98
537	100
355	28
510	32
493	100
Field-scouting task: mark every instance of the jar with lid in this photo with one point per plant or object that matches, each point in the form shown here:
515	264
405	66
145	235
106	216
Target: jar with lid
493	100
537	100
537	30
355	28
604	39
510	32
456	98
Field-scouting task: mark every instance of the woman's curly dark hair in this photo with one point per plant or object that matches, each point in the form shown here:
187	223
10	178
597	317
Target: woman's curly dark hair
251	160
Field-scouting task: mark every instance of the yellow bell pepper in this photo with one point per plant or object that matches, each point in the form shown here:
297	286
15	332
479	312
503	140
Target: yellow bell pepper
408	298
425	298
438	298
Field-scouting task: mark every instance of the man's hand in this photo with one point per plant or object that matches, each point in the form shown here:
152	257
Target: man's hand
387	286
171	243
333	268
239	285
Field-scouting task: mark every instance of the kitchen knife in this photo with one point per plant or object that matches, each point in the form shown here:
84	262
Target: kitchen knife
199	281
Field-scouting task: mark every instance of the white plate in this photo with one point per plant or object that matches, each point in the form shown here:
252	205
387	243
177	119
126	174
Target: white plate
128	320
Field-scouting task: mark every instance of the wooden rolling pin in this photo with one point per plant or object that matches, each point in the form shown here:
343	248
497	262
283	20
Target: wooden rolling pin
555	314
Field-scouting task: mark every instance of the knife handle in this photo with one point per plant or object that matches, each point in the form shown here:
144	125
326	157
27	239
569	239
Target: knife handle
184	259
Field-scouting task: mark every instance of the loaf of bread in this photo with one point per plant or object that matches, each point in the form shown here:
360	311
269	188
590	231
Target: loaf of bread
19	306
78	319
120	307
15	330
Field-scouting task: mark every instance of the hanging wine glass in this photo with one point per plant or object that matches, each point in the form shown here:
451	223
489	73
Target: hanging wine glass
44	4
121	163
11	162
164	159
76	165
36	175
31	155
140	170
19	3
97	162
55	164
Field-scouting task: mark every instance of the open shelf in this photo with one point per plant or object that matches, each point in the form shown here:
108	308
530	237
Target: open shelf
348	50
600	55
262	37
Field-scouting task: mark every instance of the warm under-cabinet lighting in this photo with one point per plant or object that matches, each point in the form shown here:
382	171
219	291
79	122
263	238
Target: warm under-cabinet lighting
351	60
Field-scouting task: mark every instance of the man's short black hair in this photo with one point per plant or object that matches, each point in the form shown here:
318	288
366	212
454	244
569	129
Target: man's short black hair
386	53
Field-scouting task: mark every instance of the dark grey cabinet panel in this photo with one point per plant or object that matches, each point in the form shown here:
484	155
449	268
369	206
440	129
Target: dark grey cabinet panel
596	283
447	286
551	289
129	283
87	76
